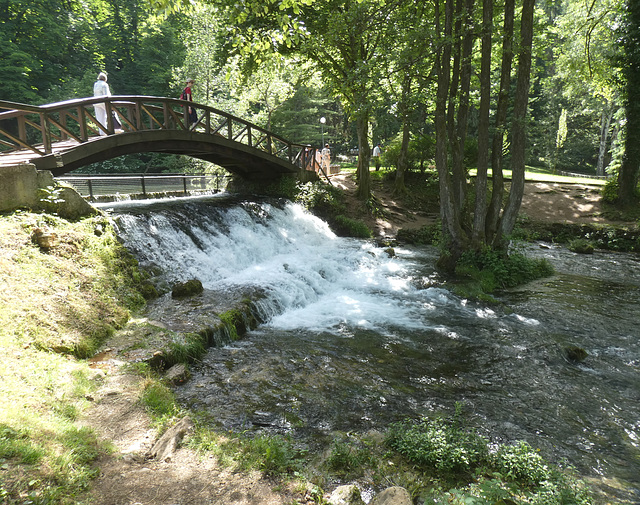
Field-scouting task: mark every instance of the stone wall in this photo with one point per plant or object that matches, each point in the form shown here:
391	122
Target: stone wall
20	188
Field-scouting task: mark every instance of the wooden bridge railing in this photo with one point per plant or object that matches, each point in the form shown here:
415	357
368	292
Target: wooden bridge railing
38	128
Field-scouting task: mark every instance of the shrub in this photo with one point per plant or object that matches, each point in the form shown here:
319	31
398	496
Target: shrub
272	454
520	462
439	444
493	269
581	246
346	459
610	191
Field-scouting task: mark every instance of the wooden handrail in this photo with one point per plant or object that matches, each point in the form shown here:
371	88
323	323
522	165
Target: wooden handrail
38	126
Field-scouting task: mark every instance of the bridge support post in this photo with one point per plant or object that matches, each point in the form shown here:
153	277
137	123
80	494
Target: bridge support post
144	189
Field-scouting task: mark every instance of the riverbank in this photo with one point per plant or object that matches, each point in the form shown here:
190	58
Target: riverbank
542	203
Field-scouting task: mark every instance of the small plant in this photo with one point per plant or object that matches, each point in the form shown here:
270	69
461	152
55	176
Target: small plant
440	444
158	399
494	270
520	462
346	459
274	455
51	198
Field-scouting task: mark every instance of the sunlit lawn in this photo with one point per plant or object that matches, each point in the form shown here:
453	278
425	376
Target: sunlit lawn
532	174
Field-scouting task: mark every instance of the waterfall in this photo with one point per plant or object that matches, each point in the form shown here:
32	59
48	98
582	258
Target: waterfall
312	278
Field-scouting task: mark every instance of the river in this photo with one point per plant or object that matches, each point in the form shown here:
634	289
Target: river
355	338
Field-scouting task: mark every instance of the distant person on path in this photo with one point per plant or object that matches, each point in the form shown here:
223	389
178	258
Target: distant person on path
101	88
326	158
377	152
318	160
188	96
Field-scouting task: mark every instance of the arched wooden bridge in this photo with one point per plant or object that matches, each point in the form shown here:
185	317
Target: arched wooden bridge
61	137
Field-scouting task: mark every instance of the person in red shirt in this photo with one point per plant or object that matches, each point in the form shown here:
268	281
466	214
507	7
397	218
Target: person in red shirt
188	96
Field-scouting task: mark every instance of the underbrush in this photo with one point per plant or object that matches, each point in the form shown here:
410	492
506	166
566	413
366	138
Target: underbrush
438	460
57	305
465	468
489	270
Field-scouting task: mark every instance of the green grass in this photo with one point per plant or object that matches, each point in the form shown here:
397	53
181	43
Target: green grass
535	174
56	307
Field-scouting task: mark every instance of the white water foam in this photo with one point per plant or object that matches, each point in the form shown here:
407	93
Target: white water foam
317	281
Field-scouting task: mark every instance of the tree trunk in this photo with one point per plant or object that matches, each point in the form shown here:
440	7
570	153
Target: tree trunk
628	175
519	122
448	210
495	206
403	157
364	156
459	170
478	235
456	159
605	124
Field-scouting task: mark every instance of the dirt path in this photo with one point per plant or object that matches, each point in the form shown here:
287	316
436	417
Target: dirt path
127	477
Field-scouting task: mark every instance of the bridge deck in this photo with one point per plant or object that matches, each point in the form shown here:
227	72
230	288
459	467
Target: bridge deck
64	136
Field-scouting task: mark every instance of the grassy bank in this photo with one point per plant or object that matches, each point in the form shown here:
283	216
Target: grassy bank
57	306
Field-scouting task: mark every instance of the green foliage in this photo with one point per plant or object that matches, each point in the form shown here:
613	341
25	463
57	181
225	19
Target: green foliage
158	399
323	200
348	459
233	321
610	191
189	347
581	246
16	443
50	198
348	227
512	475
493	270
426	235
442	444
520	462
273	455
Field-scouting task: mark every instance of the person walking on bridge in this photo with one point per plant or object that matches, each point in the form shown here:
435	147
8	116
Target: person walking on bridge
326	159
188	96
101	88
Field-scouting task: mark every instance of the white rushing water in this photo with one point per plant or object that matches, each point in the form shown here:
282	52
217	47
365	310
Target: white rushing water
314	279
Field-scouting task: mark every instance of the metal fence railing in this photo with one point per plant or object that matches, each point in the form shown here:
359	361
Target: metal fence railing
96	187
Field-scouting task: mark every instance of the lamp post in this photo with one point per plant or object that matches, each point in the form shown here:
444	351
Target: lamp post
323	120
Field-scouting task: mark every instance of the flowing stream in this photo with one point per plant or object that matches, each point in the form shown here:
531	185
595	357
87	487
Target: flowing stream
354	338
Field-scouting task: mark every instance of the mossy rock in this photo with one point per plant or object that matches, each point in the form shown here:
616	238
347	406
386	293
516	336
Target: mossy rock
581	246
575	353
191	287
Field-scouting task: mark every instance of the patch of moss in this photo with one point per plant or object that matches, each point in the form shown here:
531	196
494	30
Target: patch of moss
347	227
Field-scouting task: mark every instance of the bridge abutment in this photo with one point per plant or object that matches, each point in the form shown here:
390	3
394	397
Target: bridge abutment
22	186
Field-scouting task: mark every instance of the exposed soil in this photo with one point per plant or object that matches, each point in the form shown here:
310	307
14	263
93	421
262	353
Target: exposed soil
127	477
542	201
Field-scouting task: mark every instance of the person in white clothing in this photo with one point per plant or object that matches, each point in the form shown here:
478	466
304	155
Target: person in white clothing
377	152
101	88
326	159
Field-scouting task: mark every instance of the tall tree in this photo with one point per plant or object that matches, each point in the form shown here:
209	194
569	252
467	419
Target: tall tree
456	28
628	175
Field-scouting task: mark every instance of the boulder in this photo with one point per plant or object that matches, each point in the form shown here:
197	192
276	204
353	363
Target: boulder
189	288
169	442
178	374
346	495
395	495
44	239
